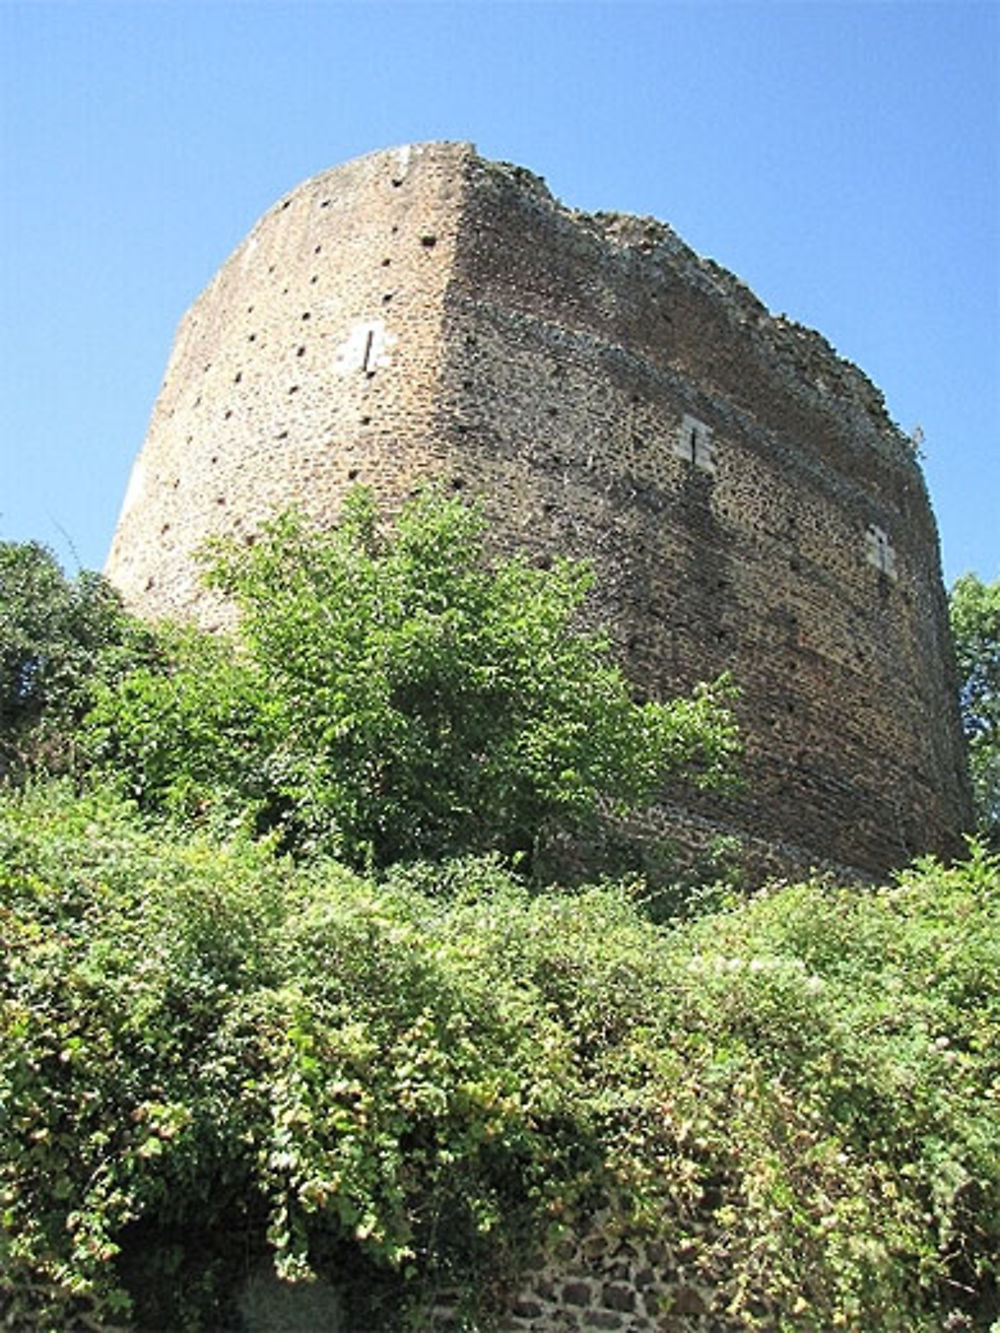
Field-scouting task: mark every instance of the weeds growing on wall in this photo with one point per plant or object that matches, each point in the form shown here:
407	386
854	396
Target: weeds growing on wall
208	1056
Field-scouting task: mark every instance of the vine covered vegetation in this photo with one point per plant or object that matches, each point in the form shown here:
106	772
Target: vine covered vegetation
282	979
210	1054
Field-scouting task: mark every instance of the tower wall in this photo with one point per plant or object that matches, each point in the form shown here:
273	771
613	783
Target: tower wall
744	497
312	360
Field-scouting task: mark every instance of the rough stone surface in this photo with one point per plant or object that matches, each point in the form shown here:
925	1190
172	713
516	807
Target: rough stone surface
745	499
593	1280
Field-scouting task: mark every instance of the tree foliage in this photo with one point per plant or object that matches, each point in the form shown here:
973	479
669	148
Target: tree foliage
209	1054
975	623
57	636
392	695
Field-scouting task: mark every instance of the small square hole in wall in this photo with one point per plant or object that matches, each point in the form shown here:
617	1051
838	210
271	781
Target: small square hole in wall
693	442
879	551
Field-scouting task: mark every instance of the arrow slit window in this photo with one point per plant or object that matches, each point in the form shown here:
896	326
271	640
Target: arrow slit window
879	551
693	443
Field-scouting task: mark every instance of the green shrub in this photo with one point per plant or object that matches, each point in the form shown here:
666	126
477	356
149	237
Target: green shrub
975	625
208	1055
391	696
58	636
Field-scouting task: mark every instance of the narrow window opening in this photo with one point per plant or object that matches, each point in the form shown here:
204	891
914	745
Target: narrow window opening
365	349
693	443
879	551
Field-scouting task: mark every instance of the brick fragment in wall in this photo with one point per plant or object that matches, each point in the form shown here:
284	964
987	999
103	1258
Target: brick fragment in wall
746	501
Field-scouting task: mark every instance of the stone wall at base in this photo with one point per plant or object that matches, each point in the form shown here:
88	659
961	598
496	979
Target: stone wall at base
595	1280
601	1280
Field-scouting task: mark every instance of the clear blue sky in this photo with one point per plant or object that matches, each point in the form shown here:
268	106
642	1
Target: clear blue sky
842	158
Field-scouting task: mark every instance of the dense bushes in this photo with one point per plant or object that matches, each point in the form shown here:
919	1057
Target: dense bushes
58	637
404	1069
206	1053
975	627
397	694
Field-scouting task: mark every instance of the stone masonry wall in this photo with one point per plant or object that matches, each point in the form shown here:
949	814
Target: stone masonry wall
310	362
598	1279
746	501
579	350
594	1278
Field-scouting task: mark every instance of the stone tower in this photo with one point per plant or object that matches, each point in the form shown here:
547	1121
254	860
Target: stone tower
744	497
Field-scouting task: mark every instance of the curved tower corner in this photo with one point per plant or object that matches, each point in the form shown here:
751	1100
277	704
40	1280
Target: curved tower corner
311	361
745	499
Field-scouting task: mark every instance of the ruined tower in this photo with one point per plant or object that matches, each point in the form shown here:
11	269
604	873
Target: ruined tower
743	495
